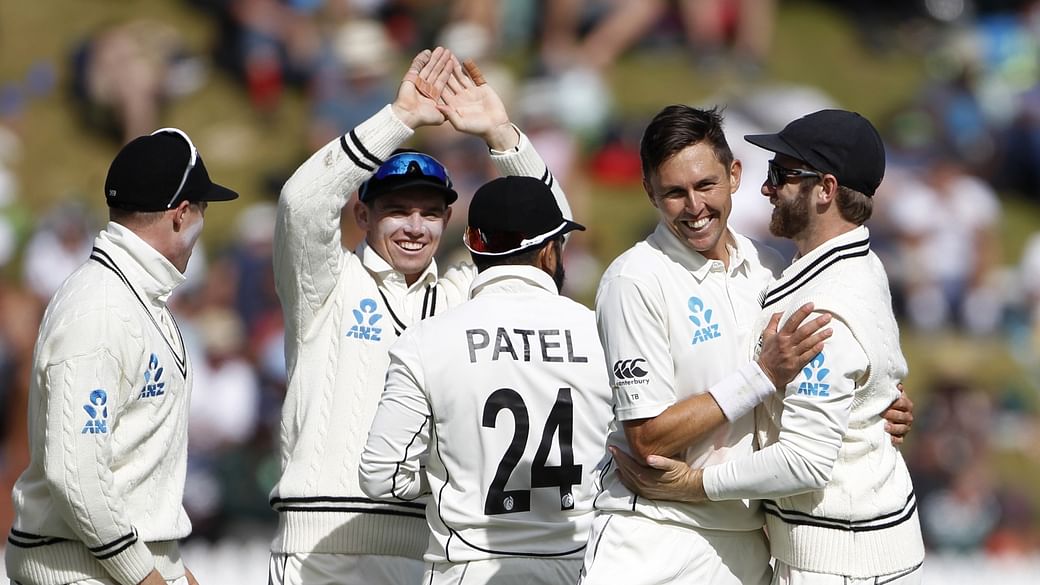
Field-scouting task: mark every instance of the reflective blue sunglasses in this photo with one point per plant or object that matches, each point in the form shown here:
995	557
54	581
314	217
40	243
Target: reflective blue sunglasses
404	165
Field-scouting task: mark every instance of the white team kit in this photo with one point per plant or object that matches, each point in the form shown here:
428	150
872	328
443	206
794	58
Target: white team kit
506	401
673	324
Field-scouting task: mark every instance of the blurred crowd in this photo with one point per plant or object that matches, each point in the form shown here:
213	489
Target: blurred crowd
964	146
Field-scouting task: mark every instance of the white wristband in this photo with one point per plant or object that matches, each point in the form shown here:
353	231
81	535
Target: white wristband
740	392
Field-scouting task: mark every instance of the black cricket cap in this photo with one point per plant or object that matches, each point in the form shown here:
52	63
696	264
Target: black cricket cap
158	171
511	214
838	142
408	169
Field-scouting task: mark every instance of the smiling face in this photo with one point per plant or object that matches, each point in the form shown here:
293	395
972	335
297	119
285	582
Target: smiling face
693	194
405	228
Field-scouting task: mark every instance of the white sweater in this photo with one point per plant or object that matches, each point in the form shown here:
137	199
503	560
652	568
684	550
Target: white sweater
342	312
840	497
108	406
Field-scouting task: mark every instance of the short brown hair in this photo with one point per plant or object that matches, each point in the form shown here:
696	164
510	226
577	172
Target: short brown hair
854	206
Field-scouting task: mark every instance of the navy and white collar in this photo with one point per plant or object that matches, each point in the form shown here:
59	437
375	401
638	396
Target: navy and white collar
149	276
512	278
150	272
852	244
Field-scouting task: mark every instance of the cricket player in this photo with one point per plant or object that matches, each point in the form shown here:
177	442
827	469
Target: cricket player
840	505
498	407
676	313
344	308
100	503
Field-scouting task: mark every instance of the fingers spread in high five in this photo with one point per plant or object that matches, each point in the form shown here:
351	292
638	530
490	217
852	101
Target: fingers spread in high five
416	102
472	106
434	74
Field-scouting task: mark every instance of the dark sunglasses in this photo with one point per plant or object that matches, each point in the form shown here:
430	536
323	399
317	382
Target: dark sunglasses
779	175
407	164
503	243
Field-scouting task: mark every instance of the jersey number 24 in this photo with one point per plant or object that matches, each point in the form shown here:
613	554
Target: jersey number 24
563	476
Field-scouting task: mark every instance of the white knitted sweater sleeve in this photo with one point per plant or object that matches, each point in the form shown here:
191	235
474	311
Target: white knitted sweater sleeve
308	255
84	396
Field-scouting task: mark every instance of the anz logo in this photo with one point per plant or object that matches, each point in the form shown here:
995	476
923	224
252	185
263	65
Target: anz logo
700	316
153	384
366	318
97	410
815	376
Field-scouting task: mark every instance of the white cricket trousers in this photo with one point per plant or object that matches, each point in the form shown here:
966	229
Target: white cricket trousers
336	569
636	550
508	571
785	574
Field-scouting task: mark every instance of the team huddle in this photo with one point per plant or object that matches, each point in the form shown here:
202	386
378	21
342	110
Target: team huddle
718	418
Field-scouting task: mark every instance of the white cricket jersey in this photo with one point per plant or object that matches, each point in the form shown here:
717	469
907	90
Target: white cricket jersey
506	400
673	323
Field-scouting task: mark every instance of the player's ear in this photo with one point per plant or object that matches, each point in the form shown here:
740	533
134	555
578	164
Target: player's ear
361	215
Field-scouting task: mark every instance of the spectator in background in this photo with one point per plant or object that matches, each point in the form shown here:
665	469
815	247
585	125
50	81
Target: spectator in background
946	224
715	29
20	313
124	74
1029	271
223	418
352	79
60	245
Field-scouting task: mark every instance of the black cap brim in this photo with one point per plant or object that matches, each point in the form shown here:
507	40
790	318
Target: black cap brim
773	143
219	193
571	226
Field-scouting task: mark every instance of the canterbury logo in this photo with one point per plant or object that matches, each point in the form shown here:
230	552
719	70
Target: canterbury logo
624	369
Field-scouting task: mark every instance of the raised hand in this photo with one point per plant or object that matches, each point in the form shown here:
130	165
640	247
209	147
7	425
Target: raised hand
786	351
473	107
422	86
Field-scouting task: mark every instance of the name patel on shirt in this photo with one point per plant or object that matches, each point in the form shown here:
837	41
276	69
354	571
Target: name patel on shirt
553	345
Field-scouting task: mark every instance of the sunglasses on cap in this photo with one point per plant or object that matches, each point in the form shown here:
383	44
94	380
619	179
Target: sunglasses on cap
779	175
488	243
404	165
192	161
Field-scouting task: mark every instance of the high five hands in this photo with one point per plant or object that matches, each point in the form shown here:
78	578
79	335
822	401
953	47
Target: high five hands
438	88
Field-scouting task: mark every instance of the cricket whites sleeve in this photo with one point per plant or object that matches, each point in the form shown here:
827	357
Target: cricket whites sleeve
633	330
815	419
391	464
78	461
308	255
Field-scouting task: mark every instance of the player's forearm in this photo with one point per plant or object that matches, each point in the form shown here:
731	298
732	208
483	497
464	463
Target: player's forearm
678	427
778	471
